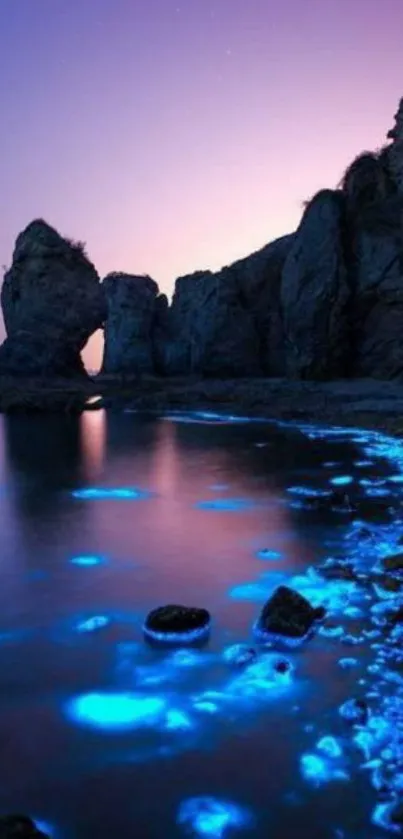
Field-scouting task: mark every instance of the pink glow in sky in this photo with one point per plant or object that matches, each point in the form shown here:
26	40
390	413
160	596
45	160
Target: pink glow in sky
174	135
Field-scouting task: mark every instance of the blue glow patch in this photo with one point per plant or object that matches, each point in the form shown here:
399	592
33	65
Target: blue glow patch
382	816
260	590
109	493
191	637
334	595
266	637
331	631
329	746
320	770
239	654
262	679
178	720
234	505
341	480
266	553
88	560
210	817
45	827
309	492
205	706
348	663
115	712
92	624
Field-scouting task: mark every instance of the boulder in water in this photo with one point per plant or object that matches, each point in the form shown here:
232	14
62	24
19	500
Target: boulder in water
287	614
177	624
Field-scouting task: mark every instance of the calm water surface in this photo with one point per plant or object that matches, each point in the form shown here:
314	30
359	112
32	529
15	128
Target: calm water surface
102	735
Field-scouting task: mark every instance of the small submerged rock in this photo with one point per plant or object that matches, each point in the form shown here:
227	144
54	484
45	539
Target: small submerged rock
177	624
393	563
19	827
338	571
287	613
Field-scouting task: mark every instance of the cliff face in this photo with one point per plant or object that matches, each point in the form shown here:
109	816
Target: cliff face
315	294
132	311
324	302
52	302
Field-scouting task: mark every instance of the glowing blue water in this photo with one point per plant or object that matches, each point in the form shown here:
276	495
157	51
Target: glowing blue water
242	734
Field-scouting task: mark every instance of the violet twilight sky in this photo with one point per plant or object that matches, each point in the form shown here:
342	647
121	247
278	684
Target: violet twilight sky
172	135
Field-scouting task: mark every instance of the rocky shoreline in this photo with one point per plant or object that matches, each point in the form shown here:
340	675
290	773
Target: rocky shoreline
367	403
322	303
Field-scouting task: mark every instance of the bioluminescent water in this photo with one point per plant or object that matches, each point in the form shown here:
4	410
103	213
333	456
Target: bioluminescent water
234	733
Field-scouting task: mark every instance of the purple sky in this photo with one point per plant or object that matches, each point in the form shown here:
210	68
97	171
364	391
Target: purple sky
172	135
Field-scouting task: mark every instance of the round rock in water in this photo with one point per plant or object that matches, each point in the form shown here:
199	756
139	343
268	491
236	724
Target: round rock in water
287	613
174	624
19	827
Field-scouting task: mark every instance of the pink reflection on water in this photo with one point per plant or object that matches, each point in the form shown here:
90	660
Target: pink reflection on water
93	436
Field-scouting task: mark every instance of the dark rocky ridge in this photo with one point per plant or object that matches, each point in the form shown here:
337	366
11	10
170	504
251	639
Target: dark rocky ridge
323	303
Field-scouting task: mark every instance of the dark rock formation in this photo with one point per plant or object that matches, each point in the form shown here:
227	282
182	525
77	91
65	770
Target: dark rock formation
177	623
393	563
132	312
258	280
212	332
323	303
315	294
395	151
378	289
19	827
289	614
52	303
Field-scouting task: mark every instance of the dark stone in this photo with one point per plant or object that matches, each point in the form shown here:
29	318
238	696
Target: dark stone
19	827
282	666
338	571
378	308
178	620
393	563
52	302
211	331
129	328
27	354
258	279
315	293
288	613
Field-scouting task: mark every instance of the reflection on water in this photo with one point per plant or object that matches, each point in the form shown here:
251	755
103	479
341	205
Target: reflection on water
93	443
105	517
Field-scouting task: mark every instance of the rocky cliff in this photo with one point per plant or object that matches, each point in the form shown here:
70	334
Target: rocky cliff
325	302
129	336
52	302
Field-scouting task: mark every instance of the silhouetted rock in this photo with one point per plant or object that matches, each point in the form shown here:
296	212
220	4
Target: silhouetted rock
19	827
395	151
30	353
177	623
211	331
129	329
52	303
258	279
378	288
288	613
393	563
315	293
